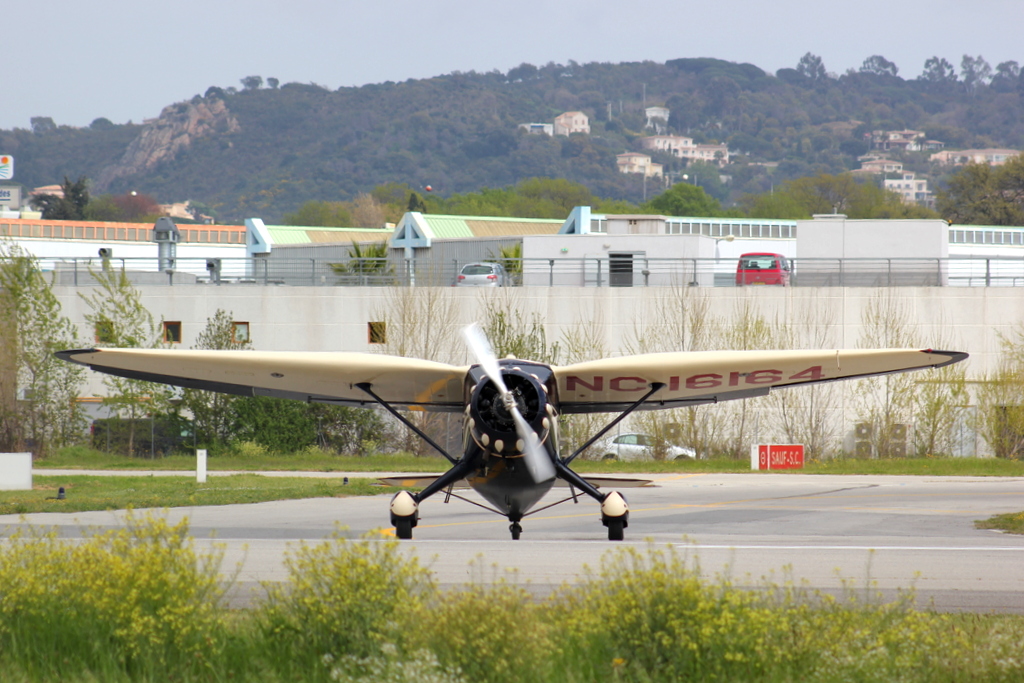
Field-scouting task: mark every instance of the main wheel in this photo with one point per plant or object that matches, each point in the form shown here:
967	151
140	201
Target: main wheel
516	530
616	529
403	528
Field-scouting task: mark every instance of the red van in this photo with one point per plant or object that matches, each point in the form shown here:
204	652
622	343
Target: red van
763	269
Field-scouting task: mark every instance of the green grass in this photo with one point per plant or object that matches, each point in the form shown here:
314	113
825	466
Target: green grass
78	457
1012	523
84	492
315	461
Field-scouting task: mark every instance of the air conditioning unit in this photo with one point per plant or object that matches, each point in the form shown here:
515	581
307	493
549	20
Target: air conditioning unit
863	449
898	438
899	432
863	430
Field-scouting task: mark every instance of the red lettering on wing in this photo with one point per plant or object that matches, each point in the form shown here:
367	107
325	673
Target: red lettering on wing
618	384
708	381
764	377
572	380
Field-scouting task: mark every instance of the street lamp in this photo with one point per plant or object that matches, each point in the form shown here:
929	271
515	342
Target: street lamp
727	238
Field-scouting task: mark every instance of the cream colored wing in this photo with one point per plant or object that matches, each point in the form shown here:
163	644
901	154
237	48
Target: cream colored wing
325	377
693	378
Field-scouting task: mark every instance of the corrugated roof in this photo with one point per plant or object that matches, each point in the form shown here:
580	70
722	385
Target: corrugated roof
292	234
447	227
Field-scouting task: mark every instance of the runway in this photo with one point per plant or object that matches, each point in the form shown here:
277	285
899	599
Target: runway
866	534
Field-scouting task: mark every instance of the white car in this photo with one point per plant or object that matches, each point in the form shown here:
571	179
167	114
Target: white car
639	447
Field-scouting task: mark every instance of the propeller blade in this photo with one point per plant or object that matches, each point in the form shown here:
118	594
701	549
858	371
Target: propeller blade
480	347
534	455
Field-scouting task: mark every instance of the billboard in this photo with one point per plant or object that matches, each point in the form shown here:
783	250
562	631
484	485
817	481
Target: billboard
10	197
6	167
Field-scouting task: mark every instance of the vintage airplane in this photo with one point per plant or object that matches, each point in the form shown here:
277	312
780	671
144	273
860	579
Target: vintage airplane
510	406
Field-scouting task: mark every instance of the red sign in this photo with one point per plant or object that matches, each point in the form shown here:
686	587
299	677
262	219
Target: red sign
777	457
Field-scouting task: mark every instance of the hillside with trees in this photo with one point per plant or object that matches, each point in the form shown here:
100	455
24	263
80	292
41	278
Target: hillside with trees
268	149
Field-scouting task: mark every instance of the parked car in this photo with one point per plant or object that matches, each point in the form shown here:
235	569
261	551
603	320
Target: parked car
639	447
763	269
483	275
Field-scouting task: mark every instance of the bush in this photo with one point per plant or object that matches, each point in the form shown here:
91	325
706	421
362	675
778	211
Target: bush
135	598
344	598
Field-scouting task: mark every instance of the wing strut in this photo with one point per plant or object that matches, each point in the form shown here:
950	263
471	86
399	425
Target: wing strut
655	388
365	387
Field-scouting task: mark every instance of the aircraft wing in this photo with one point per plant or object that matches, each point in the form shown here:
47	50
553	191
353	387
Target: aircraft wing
314	376
699	377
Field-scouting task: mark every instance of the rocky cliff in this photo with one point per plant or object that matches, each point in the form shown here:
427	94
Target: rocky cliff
177	127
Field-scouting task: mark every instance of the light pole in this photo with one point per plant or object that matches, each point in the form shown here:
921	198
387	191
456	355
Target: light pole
727	238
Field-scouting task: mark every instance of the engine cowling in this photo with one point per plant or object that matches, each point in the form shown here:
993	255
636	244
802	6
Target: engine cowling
492	426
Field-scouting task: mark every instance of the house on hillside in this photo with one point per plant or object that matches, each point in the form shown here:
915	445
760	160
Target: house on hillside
635	162
911	190
657	118
684	148
572	122
538	128
993	157
880	166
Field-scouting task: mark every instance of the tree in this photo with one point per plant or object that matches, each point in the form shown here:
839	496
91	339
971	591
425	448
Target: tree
69	206
120	320
318	213
212	412
273	83
365	259
980	194
975	72
938	70
811	66
1000	398
684	199
366	212
40	404
252	82
1007	77
886	403
137	207
42	125
879	66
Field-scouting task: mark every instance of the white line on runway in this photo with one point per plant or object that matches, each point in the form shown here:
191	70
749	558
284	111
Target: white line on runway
845	547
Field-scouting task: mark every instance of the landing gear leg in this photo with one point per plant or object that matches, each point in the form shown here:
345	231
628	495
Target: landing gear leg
516	530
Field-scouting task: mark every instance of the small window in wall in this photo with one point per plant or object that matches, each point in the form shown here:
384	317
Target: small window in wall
172	332
377	333
104	331
240	332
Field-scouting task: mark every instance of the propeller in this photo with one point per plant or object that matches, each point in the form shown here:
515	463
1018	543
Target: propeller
536	458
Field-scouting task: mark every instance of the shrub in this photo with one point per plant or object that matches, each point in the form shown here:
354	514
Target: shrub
343	598
131	598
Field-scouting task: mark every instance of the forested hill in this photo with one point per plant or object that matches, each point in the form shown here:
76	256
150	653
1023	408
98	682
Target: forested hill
266	149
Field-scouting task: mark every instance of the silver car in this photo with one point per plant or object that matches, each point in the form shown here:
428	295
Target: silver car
640	447
483	275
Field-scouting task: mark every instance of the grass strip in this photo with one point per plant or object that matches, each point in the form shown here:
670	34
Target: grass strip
84	493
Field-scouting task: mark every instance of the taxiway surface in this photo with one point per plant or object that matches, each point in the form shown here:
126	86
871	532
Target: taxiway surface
868	534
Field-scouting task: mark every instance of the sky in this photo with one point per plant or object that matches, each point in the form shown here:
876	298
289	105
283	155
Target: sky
125	61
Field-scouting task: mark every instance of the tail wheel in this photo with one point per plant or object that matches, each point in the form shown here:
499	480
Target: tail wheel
616	529
403	528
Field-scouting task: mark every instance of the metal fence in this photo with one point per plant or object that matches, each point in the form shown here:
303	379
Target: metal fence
613	270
